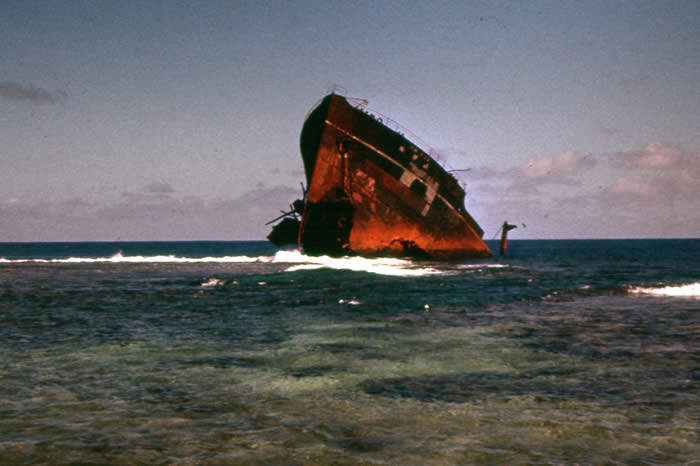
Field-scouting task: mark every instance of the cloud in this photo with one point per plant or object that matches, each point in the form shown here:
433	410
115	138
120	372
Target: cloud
658	171
650	192
623	212
630	185
556	170
145	217
158	188
654	155
14	91
529	180
562	169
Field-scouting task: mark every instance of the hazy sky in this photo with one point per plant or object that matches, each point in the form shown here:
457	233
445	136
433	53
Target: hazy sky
180	120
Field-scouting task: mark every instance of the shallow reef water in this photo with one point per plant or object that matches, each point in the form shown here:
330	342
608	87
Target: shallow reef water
233	352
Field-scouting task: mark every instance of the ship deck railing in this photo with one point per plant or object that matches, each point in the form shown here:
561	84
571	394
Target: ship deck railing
408	134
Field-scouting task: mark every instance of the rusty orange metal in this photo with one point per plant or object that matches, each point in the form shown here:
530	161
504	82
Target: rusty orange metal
373	192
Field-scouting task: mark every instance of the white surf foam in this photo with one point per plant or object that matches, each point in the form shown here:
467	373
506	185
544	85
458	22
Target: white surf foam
689	290
161	259
381	266
212	282
483	266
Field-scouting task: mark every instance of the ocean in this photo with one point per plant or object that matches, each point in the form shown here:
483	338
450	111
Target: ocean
562	352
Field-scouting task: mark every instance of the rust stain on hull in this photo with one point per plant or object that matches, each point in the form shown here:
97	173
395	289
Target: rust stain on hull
373	192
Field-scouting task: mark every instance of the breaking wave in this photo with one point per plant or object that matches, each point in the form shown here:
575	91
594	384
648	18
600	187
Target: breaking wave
688	290
160	259
380	266
297	260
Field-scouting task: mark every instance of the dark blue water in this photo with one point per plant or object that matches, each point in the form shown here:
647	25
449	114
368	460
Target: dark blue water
230	352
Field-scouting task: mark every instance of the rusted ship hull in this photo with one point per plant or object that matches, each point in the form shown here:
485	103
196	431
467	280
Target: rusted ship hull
373	192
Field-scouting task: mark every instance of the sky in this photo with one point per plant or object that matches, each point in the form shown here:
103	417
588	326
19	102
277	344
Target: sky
175	120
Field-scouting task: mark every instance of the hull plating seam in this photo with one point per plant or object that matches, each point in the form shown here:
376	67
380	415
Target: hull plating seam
432	189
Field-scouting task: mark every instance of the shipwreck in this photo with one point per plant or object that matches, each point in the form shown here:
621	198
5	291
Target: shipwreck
372	191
